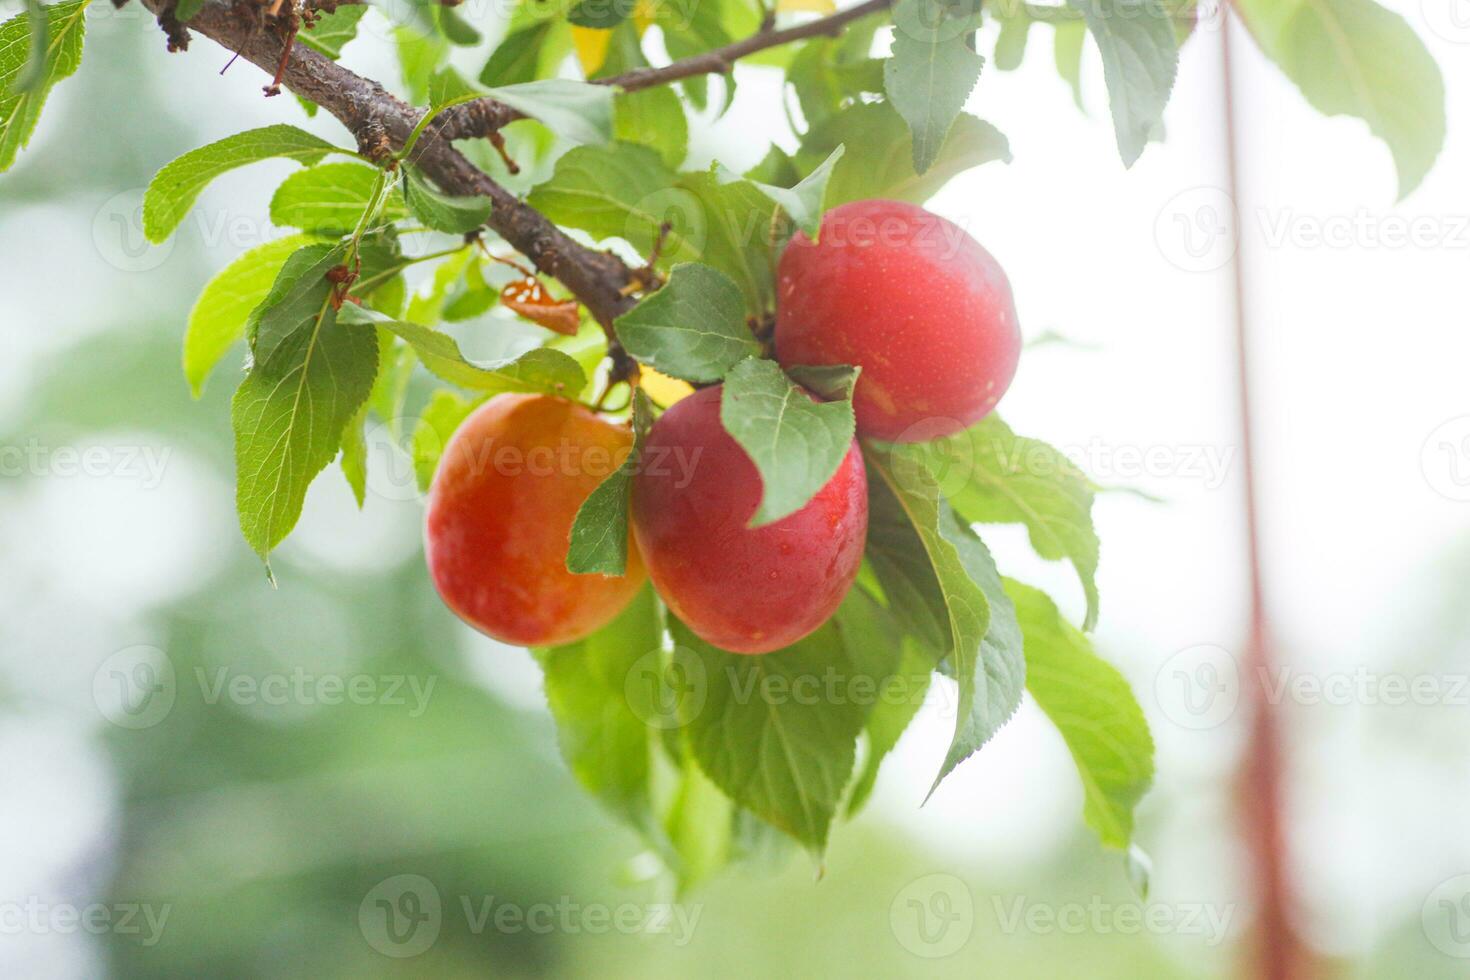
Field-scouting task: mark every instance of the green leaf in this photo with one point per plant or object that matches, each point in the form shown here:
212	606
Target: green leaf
935	577
518	57
579	111
694	28
1000	671
298	303
444	413
796	443
619	191
289	415
35	64
219	315
599	538
699	826
693	328
886	168
177	186
1354	58
540	369
390	298
296	297
471	297
805	202
333	31
440	211
390	389
431	21
447	86
24	83
921	574
330	198
1140	58
872	638
1010	46
784	756
1067	53
454	27
834	382
828	73
902	566
776	167
608	747
993	476
811	77
875	645
931	74
354	454
736	218
899	698
653	117
420	55
622	53
1093	707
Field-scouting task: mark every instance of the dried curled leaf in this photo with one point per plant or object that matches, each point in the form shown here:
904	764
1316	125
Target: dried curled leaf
528	298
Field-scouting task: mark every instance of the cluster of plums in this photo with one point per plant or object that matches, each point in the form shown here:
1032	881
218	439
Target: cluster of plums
905	295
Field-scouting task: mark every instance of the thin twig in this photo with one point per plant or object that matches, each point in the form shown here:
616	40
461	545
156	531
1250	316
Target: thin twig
719	60
481	117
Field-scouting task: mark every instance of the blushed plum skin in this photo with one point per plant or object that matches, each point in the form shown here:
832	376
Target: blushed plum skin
746	590
500	515
918	304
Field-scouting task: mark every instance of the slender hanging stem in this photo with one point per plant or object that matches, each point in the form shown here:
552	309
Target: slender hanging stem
1278	954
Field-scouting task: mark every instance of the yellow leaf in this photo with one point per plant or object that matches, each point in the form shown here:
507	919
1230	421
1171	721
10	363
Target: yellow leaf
812	6
663	389
592	45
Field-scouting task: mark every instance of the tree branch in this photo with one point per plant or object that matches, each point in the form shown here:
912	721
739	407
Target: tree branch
597	279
